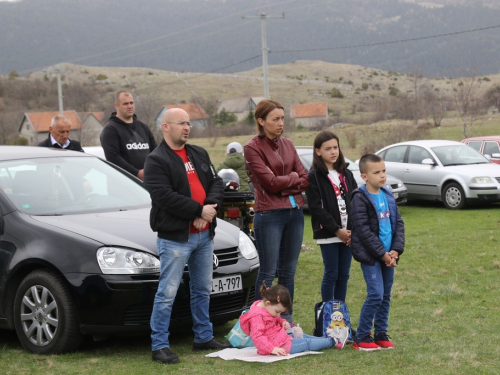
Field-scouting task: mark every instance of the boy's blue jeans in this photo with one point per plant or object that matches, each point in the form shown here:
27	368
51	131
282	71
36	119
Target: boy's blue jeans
197	253
375	311
337	262
278	236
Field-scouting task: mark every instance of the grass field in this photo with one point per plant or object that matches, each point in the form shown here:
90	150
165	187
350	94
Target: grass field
444	317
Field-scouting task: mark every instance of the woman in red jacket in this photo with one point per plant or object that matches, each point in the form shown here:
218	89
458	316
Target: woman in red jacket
279	179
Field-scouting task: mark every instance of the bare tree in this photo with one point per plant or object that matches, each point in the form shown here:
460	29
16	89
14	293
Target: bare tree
148	106
468	100
434	105
418	82
9	123
210	106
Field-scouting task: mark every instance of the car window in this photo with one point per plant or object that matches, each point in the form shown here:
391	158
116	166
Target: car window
65	185
491	148
395	154
458	155
476	145
417	154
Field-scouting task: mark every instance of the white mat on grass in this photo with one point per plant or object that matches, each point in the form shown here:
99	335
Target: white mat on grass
250	355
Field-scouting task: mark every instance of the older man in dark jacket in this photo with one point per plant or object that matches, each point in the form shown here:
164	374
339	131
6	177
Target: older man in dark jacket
185	192
59	129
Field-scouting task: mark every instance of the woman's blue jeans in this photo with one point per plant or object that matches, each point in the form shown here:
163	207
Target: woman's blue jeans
337	262
375	311
312	343
278	236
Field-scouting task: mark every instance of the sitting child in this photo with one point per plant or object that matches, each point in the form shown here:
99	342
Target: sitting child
269	331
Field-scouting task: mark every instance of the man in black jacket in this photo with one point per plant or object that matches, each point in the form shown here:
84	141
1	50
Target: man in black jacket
185	193
59	135
126	141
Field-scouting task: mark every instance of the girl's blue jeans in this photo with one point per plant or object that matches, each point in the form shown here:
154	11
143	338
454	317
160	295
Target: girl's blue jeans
312	343
337	262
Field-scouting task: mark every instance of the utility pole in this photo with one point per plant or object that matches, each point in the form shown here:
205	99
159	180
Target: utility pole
263	18
59	90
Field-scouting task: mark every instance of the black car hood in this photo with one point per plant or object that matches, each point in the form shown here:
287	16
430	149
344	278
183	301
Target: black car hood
128	229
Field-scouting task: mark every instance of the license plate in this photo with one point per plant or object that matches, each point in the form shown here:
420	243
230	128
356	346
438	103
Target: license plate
226	284
396	195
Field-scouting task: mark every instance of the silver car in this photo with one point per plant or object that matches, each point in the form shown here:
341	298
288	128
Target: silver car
446	171
394	184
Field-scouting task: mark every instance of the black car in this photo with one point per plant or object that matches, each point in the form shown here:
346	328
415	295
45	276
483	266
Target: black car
78	257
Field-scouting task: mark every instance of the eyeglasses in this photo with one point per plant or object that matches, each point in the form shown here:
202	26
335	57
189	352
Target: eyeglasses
181	123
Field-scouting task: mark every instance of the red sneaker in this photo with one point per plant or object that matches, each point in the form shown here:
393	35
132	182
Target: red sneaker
382	340
365	344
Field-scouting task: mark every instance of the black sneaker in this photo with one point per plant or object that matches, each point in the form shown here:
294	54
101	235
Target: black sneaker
212	344
165	356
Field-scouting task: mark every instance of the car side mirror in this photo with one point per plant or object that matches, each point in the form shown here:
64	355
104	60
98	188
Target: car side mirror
428	161
495	155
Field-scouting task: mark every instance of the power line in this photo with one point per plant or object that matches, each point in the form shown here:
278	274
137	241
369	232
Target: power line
390	42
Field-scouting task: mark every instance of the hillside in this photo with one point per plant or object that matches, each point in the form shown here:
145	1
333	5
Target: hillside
292	83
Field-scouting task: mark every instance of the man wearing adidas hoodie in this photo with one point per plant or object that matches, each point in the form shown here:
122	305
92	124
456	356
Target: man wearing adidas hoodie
126	141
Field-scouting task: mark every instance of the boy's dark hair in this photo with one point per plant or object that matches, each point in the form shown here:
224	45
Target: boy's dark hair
368	158
276	294
318	162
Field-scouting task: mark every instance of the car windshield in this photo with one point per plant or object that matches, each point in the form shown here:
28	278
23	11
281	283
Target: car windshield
458	155
69	185
308	159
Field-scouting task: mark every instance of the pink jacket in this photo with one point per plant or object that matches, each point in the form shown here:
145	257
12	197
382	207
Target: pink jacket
266	331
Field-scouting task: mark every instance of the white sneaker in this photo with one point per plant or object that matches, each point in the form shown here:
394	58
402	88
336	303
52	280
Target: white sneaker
340	334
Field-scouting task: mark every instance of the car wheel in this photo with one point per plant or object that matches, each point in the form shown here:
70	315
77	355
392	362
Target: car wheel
453	196
45	315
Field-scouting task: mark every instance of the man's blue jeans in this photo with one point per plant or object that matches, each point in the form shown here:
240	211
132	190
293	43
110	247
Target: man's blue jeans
337	262
379	279
278	236
197	253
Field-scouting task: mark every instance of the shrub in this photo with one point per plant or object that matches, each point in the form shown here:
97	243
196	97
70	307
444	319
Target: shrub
101	77
335	93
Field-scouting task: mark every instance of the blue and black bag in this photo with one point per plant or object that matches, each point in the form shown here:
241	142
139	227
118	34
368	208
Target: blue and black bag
331	314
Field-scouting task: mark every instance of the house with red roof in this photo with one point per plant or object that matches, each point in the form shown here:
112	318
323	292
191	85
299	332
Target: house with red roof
310	115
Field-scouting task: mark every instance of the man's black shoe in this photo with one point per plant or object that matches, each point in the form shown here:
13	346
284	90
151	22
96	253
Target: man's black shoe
212	344
165	356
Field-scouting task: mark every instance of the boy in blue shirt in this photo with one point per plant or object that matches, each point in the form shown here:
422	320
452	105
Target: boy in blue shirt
377	241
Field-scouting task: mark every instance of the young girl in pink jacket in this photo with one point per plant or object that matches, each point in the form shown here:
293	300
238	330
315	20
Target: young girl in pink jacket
269	331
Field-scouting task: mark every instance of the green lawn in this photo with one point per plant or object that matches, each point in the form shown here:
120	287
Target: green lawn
444	316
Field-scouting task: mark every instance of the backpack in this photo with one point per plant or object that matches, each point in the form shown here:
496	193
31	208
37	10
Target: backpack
331	314
237	338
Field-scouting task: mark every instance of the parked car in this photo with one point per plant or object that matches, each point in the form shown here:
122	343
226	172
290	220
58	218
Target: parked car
394	184
489	146
446	171
78	257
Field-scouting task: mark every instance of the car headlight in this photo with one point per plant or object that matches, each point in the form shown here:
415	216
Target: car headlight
120	261
482	180
247	247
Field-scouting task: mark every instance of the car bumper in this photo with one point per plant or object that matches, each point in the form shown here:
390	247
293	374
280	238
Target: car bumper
122	304
481	194
401	196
